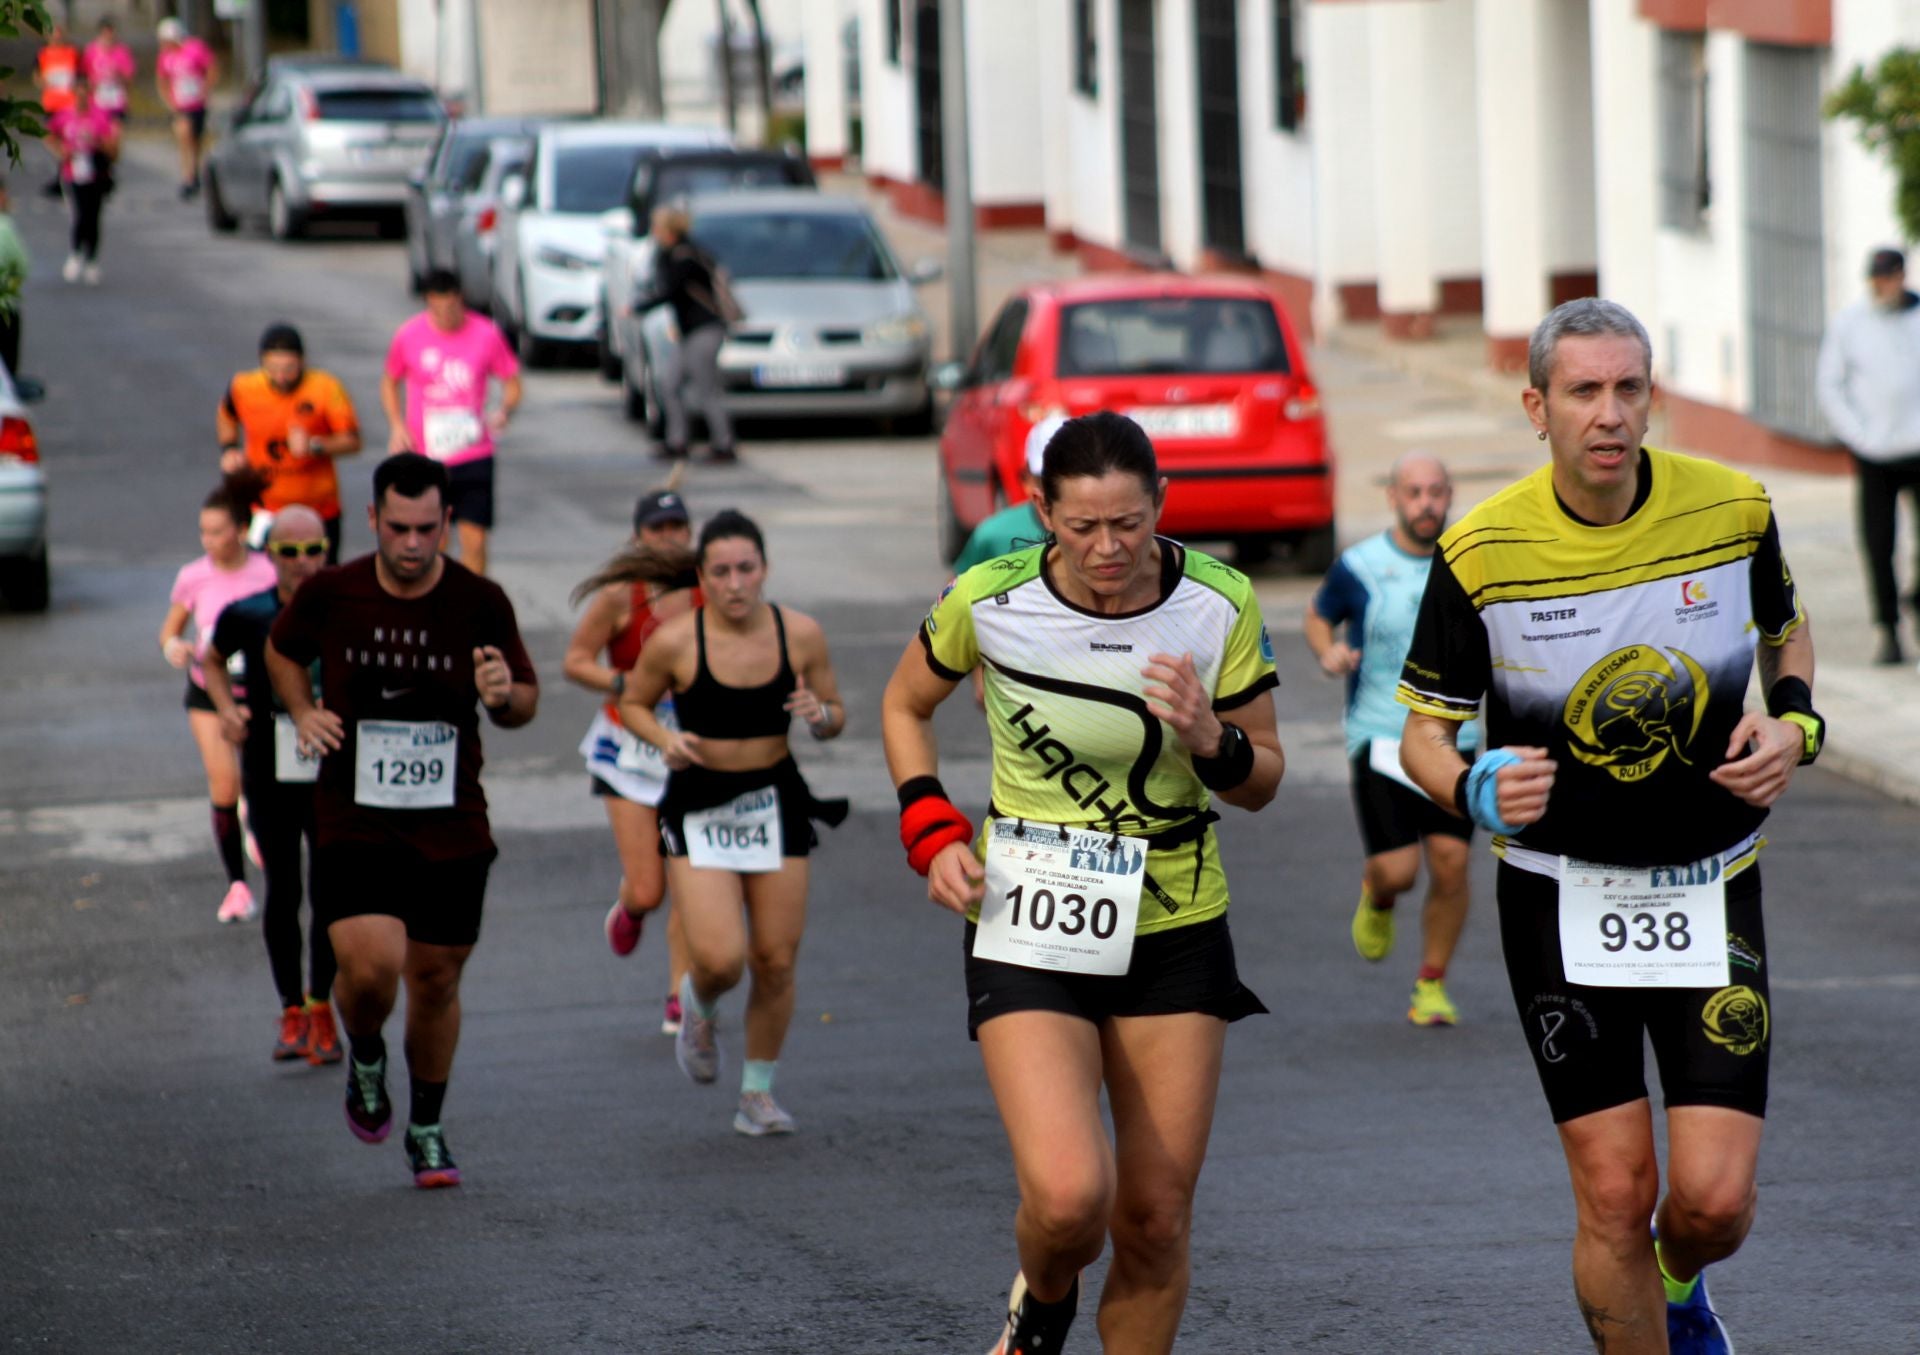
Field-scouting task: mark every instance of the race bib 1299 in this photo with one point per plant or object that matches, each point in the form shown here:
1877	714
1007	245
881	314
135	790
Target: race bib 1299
405	764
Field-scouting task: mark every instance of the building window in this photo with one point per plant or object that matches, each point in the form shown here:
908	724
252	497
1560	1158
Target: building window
893	31
1289	75
1686	189
1086	77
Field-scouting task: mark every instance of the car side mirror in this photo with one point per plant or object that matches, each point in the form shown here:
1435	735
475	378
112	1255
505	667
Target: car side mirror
925	271
948	376
618	223
513	192
30	391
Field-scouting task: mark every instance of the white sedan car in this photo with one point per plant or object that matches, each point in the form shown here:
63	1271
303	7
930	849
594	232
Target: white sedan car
546	262
23	500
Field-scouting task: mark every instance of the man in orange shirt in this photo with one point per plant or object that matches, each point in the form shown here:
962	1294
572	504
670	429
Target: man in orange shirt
57	71
295	421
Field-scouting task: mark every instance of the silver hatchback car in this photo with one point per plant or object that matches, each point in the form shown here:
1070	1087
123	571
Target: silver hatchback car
323	141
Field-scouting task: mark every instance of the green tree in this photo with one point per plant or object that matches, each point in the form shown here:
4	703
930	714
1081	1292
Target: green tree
1886	104
18	117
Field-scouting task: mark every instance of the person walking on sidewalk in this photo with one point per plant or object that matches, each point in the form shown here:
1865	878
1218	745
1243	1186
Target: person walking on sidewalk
278	779
1609	609
1374	589
411	647
1869	388
687	278
87	142
446	356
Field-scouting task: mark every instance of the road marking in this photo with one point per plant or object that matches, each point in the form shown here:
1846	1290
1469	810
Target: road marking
1847	983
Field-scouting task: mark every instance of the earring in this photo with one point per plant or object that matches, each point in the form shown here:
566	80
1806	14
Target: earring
1540	434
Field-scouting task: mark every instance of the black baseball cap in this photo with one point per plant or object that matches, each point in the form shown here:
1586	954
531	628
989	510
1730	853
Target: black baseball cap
282	338
1885	263
663	505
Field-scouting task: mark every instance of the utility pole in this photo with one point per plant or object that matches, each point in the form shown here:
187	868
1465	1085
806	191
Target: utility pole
254	36
962	296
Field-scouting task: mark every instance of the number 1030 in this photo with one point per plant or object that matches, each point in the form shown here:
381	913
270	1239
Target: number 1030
1644	931
1070	912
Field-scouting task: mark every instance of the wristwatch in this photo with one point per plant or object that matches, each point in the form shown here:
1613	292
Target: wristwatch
618	686
1812	728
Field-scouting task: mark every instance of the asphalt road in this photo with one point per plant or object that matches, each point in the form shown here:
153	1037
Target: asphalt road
165	1188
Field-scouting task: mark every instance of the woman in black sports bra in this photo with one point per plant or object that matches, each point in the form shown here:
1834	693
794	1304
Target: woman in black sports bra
737	821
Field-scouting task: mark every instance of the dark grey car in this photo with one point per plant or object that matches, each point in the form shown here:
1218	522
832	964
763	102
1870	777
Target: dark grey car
438	197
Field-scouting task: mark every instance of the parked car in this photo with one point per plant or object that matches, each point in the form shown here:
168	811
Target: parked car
438	195
479	231
323	141
832	326
1210	367
546	264
669	175
24	579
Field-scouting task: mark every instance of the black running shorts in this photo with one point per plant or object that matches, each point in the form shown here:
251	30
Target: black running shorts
470	492
1186	969
197	698
440	901
1393	816
1711	1044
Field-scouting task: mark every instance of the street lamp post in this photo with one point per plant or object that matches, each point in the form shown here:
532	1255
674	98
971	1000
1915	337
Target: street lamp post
963	303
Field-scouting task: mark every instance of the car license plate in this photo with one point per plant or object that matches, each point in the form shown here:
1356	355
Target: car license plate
789	375
382	154
1187	421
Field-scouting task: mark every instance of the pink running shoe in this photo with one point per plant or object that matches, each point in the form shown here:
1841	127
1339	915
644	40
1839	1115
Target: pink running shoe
238	905
623	929
670	1021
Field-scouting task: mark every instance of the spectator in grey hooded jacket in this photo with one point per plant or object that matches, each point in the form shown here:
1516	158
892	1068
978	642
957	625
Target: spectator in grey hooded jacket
1869	387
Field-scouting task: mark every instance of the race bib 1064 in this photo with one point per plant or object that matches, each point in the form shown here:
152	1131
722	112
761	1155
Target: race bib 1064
1643	926
1066	900
290	763
742	835
405	764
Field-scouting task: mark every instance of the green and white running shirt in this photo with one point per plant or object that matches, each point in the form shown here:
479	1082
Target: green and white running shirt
1073	741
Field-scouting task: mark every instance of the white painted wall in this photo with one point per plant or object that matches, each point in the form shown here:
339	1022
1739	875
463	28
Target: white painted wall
1698	324
1003	109
1517	156
1177	92
688	63
1340	123
1092	196
1568	128
1447	113
826	69
436	44
1276	167
1057	97
886	97
1625	64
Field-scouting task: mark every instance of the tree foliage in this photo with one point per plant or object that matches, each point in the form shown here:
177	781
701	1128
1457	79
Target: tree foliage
20	117
1885	102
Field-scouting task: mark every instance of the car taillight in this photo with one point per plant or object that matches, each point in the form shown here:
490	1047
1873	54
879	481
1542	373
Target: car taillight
1036	413
309	106
17	441
483	224
1304	405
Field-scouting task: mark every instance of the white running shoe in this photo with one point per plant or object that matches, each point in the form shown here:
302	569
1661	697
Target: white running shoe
238	904
70	270
91	275
696	1048
760	1115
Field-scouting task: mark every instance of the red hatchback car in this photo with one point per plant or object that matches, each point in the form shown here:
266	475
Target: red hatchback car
1210	367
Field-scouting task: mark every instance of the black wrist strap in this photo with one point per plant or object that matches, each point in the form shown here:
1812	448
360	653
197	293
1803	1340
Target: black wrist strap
916	788
1460	793
1790	694
1229	766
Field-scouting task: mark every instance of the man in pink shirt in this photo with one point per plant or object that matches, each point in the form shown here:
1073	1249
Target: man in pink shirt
107	64
446	357
184	71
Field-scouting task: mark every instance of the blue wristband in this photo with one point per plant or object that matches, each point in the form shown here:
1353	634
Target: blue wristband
1483	791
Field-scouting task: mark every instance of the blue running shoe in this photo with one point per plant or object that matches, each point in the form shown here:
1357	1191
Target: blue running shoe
1693	1328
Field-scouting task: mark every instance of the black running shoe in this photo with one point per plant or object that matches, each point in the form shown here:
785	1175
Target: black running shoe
428	1156
369	1109
1035	1328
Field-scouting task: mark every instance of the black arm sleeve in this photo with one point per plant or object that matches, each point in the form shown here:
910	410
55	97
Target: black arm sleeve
1448	666
1775	598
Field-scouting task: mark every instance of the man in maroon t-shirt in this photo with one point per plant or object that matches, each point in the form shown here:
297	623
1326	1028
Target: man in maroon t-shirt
411	646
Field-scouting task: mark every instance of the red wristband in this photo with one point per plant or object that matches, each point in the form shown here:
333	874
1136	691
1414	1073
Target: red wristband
928	827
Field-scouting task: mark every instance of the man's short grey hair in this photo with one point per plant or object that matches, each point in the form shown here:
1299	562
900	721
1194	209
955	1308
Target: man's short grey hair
1589	315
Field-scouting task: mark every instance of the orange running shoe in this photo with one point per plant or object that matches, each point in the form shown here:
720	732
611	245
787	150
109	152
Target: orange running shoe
292	1043
323	1042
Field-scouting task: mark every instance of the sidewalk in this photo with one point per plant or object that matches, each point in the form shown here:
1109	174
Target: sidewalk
1872	713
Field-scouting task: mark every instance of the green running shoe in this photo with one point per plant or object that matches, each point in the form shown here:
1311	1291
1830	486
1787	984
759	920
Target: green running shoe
1372	929
1430	1005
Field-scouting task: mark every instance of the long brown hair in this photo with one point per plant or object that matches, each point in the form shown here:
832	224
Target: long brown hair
668	566
237	495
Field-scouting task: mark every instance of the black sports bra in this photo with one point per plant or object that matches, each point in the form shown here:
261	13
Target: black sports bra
713	710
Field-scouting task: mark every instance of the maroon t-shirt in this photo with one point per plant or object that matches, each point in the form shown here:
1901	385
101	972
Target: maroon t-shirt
406	662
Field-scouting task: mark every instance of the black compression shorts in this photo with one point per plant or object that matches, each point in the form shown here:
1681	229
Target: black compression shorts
470	491
1184	969
1393	816
1712	1044
440	901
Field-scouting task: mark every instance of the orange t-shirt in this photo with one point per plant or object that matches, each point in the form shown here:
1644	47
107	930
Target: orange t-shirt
59	69
319	404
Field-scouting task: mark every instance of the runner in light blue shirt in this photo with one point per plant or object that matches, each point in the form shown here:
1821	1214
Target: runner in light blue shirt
1375	588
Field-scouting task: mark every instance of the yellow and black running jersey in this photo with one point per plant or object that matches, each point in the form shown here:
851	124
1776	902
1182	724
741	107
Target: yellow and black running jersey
1624	650
1073	741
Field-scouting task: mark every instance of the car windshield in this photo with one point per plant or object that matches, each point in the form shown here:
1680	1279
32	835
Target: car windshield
822	245
672	181
1152	336
376	105
591	178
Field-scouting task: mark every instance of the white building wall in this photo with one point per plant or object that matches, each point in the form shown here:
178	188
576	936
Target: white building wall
826	78
1177	91
1340	129
1454	178
1057	97
1625	66
1003	107
886	97
689	63
1276	167
1699	325
1093	138
1566	46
